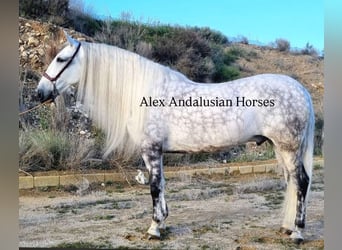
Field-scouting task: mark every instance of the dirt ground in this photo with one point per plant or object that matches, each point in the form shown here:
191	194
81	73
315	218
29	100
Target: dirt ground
205	212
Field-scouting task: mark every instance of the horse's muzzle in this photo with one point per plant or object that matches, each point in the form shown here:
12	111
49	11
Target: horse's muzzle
49	97
40	94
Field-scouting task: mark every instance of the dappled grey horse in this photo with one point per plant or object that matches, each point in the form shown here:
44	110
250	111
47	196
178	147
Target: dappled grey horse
148	108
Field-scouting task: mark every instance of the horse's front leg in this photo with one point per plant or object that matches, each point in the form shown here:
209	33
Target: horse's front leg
153	159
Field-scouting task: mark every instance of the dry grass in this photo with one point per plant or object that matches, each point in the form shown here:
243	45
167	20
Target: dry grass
42	150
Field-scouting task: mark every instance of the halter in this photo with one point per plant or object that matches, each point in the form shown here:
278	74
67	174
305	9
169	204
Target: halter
54	79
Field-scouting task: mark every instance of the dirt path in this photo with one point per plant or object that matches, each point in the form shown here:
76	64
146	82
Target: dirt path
206	212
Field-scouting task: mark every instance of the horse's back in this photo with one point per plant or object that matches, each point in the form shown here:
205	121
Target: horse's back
270	105
271	82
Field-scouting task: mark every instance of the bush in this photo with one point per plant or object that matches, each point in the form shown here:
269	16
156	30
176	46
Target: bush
188	50
43	149
309	50
84	22
211	35
282	45
232	54
223	60
123	34
185	51
225	73
52	10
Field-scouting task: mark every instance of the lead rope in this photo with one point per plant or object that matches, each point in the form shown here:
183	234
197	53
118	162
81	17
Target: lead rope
35	107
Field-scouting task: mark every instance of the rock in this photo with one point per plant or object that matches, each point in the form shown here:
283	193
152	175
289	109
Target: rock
24	54
41	52
35	59
32	41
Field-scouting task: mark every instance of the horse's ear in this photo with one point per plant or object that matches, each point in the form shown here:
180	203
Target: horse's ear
70	40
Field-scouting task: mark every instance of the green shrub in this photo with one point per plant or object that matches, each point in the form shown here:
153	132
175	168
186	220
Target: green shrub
212	36
224	63
225	73
152	33
232	54
84	23
188	50
122	34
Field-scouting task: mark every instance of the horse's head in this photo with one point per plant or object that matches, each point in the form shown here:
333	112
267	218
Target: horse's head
63	71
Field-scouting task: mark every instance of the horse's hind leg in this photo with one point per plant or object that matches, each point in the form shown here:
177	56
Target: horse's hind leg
298	184
285	227
152	156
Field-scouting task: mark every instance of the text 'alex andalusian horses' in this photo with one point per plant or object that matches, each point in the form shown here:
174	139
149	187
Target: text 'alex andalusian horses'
148	108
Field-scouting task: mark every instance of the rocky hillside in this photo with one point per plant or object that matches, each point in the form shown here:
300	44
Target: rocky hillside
35	38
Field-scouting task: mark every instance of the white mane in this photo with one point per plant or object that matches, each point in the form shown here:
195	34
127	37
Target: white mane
111	88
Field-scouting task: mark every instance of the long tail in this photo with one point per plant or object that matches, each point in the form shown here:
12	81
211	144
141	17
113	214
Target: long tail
309	143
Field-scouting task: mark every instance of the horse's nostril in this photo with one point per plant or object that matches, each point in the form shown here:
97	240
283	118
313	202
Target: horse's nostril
40	94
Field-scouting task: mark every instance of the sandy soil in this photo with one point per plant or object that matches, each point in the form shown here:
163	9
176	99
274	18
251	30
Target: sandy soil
206	212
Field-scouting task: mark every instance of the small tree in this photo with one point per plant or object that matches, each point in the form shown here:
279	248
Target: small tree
282	44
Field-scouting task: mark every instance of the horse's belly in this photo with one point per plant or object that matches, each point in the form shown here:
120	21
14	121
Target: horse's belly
206	137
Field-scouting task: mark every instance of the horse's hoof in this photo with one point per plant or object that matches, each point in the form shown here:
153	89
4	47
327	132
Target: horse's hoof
153	237
296	237
162	226
153	233
286	231
297	241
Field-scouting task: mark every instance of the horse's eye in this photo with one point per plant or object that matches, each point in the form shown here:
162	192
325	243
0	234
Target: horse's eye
60	60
